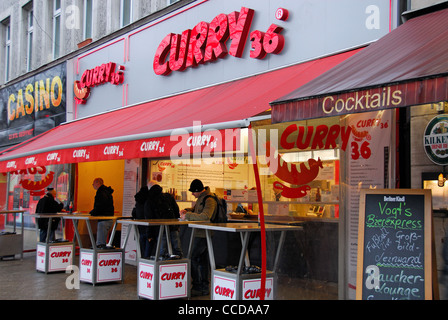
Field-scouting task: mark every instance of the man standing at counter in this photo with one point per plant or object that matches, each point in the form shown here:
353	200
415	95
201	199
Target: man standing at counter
162	205
202	211
103	206
48	204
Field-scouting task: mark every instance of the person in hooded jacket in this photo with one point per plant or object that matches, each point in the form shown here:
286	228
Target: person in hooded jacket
48	204
139	213
103	206
162	205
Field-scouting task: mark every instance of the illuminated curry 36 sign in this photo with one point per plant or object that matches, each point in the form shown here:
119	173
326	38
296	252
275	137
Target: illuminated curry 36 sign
207	42
107	72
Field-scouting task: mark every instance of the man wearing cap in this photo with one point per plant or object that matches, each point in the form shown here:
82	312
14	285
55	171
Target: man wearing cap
48	204
202	211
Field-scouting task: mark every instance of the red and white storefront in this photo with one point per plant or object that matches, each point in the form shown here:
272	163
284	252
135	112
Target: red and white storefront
179	97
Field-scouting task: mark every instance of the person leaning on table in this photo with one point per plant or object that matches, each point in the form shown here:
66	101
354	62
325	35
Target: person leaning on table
202	211
103	206
48	204
162	205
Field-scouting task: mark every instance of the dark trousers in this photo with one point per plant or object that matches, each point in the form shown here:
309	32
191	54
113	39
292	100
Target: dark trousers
200	265
43	235
144	241
175	244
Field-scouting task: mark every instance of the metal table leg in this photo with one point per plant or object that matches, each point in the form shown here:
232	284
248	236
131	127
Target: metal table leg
190	246
210	249
112	234
243	256
159	241
168	240
279	249
92	238
77	236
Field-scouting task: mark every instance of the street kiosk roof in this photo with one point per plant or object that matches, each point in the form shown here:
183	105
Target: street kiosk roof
120	134
408	66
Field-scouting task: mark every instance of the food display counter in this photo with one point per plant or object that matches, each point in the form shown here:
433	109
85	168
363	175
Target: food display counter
98	265
242	282
161	279
56	255
11	243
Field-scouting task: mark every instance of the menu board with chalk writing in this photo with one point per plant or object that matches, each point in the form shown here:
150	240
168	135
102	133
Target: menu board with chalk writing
394	245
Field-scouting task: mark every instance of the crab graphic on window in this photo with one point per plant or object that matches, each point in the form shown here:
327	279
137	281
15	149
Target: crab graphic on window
36	188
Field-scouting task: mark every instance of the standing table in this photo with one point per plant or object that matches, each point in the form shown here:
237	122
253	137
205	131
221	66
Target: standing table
160	279
56	255
235	284
98	265
11	243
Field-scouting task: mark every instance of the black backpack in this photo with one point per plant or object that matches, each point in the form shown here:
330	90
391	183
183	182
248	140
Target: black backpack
168	208
220	215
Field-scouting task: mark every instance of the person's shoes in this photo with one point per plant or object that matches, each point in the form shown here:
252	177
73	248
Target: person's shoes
205	292
196	293
199	292
232	269
252	269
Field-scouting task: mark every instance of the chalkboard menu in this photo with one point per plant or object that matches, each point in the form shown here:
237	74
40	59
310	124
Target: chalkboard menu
394	245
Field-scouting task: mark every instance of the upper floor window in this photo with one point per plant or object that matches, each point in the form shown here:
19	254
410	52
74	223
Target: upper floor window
56	28
7	45
29	39
125	12
88	19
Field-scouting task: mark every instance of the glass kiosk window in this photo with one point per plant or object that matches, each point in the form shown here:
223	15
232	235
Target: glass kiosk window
430	180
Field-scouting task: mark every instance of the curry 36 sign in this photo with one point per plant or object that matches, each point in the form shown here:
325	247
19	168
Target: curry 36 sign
207	42
106	73
435	140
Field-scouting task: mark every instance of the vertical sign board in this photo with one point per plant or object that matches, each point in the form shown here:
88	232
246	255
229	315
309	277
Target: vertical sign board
146	280
131	181
394	245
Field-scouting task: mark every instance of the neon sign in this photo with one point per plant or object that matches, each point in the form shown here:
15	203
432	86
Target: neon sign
207	42
106	73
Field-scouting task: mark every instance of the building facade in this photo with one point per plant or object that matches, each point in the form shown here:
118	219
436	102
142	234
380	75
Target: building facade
36	33
134	74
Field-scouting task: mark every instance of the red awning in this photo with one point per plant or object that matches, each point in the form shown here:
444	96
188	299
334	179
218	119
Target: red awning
145	130
408	66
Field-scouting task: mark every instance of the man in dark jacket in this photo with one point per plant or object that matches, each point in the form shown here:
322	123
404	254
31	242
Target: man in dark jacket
162	205
138	213
48	204
103	206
